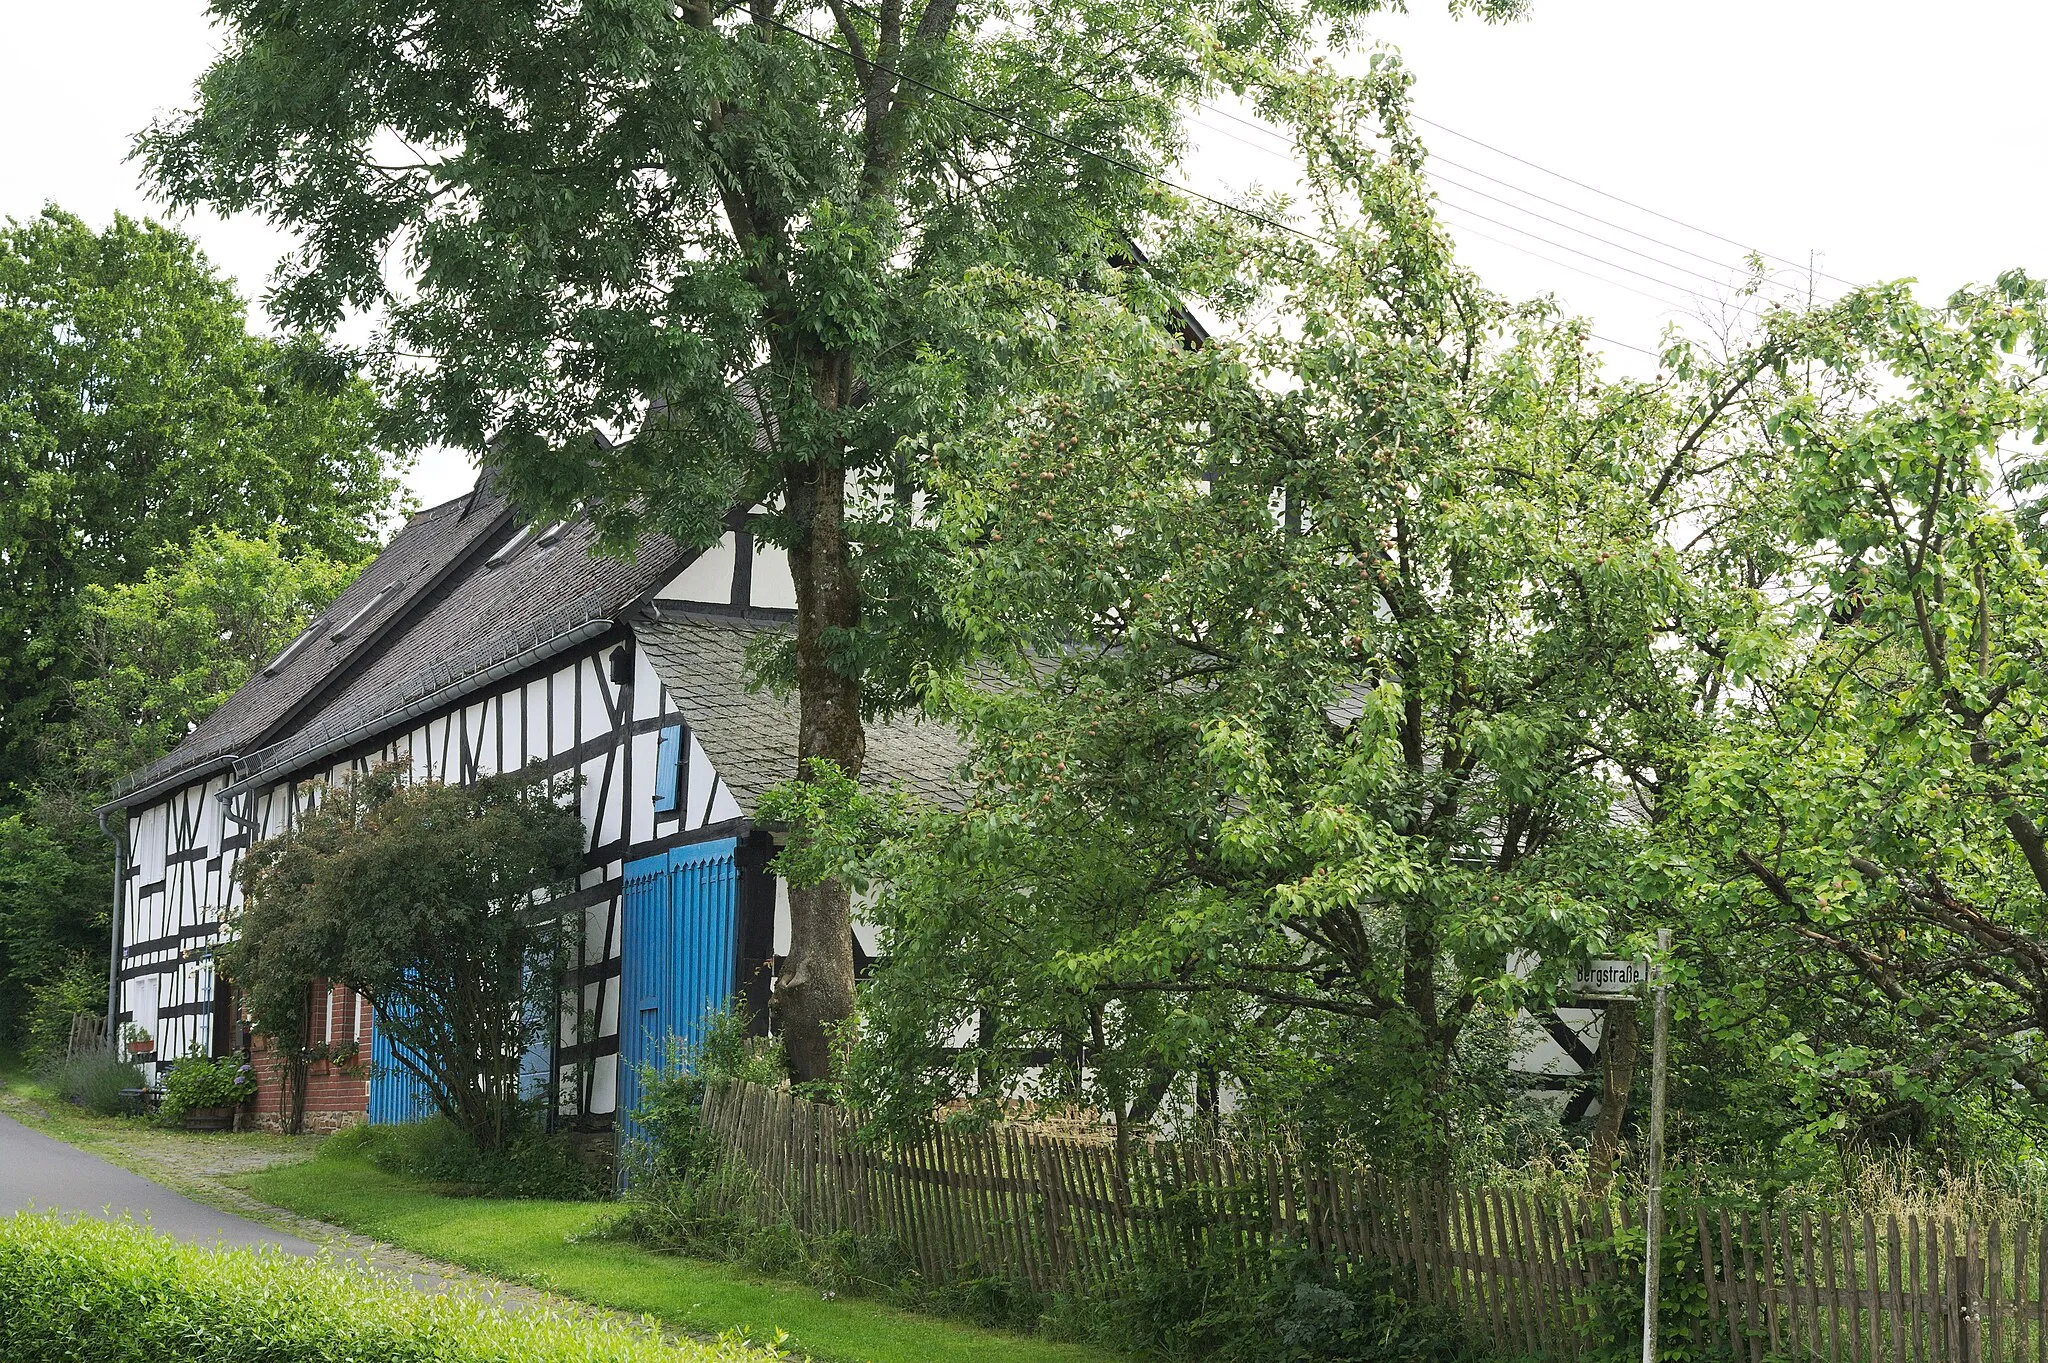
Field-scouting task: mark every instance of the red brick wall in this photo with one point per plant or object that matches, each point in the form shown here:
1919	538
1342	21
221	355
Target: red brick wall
336	1095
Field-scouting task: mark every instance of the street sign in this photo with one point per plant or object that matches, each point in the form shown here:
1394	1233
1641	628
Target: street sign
1607	976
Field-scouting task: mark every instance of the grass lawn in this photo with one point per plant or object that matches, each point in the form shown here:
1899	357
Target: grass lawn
536	1243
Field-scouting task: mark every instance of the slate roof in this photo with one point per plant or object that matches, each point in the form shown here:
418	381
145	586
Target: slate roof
442	613
750	736
487	616
419	558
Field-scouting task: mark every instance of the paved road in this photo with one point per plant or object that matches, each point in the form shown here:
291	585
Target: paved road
39	1173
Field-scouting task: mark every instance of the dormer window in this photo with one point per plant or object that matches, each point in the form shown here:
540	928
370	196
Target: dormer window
363	613
510	547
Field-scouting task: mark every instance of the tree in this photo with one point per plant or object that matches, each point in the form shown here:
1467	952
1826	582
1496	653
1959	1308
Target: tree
1865	833
160	654
744	241
152	657
139	408
1334	652
430	901
56	879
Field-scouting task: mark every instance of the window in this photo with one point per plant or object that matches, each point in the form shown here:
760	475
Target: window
347	1028
668	768
362	612
510	547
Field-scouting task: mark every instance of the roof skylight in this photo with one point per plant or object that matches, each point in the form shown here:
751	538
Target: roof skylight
363	612
511	546
291	650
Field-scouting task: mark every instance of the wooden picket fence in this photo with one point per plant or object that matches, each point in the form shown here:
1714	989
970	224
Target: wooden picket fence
1843	1287
1529	1276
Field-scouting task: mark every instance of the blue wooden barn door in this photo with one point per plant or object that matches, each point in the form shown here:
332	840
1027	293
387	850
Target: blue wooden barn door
678	947
395	1095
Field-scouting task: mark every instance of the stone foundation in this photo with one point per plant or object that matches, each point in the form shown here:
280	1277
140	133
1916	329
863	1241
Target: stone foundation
271	1122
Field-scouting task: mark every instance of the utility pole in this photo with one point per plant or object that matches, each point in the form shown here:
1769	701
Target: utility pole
1660	1037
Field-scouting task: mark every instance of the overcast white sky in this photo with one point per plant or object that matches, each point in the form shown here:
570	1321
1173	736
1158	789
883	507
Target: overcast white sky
1892	139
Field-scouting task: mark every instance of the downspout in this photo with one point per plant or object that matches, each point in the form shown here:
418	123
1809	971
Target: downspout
120	841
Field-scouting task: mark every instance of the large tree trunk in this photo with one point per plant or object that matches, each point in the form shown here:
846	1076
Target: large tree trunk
1618	1046
815	991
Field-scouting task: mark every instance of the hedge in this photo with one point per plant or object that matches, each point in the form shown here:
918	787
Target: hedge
96	1292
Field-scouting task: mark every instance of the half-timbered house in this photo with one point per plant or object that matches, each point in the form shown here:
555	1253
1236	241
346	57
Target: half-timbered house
479	643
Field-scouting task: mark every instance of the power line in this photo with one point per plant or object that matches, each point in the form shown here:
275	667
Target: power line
1666	299
1614	264
1285	149
1595	236
1436	158
1595	189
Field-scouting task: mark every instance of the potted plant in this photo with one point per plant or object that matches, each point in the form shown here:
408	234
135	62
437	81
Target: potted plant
139	1040
201	1094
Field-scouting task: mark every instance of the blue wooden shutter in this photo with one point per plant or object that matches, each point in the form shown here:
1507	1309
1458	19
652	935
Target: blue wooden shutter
668	764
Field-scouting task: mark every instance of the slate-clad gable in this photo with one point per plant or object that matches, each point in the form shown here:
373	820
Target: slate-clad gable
750	735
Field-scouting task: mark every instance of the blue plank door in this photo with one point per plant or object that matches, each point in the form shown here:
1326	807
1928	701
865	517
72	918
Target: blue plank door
395	1096
679	946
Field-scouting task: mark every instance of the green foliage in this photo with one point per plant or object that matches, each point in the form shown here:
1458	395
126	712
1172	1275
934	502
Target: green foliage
835	829
195	1081
174	493
140	409
428	900
532	1164
1867	886
99	1083
56	878
160	653
80	988
1330	655
1614	1301
1296	1311
86	1290
682	1190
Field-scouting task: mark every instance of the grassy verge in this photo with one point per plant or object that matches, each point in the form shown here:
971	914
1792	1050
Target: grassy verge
543	1244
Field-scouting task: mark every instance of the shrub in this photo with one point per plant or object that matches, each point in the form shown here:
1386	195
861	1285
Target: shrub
197	1081
684	1193
1295	1312
80	988
90	1292
96	1083
531	1163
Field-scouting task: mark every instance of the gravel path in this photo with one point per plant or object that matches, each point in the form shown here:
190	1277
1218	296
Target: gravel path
177	1182
38	1173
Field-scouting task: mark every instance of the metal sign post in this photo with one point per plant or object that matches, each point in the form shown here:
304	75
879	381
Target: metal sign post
1660	1036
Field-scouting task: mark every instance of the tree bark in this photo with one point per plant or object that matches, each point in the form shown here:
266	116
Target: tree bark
815	991
1618	1046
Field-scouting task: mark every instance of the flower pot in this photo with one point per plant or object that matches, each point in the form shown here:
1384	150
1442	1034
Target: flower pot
209	1119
